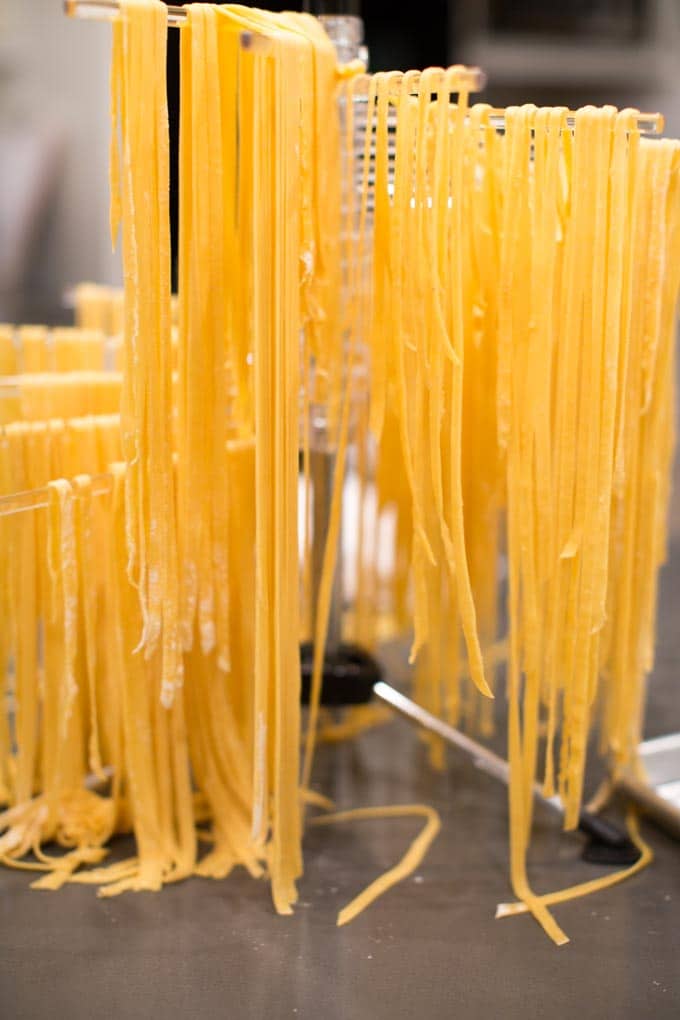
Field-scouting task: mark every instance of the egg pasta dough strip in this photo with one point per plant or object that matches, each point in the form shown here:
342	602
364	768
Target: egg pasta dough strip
139	185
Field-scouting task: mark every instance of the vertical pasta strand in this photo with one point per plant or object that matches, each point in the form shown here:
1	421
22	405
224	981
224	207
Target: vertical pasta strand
139	69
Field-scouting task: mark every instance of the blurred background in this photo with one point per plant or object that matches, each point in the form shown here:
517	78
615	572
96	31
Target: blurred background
54	106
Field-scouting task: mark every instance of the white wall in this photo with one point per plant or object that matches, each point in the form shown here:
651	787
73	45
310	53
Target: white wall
54	73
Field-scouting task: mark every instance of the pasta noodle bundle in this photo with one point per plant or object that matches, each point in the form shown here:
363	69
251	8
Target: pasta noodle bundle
139	178
524	352
477	327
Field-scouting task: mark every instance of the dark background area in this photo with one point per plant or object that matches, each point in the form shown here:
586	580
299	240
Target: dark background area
397	37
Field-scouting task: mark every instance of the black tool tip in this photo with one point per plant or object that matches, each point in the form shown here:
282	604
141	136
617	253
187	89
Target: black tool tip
348	675
624	855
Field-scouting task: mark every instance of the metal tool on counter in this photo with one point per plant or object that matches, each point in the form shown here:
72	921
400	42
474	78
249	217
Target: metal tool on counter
655	787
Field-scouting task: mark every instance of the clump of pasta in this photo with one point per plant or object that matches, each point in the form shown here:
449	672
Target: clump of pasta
198	596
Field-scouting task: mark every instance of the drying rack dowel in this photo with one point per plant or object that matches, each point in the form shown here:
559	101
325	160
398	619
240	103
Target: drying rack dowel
108	10
472	79
103	10
38	499
454	78
646	123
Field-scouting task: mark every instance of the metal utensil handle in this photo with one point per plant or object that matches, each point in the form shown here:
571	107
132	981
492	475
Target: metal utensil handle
597	828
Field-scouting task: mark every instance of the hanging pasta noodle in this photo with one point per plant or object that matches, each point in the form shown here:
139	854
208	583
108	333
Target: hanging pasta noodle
284	208
421	328
598	252
62	810
277	705
8	353
221	723
520	356
156	766
139	184
553	252
645	441
242	226
40	632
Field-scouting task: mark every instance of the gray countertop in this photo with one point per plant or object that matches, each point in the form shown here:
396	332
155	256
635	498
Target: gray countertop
428	948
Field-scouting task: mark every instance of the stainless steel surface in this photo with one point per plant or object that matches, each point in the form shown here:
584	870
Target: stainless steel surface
652	801
429	949
671	792
657	789
660	758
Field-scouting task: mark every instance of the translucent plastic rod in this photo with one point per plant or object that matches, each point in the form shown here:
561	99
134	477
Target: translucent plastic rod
14	385
99	10
647	123
459	76
474	80
38	499
108	10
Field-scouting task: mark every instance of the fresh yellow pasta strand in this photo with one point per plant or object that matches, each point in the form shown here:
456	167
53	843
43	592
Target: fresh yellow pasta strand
406	865
87	583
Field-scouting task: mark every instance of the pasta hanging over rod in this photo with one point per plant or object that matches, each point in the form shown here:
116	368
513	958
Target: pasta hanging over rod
466	317
557	245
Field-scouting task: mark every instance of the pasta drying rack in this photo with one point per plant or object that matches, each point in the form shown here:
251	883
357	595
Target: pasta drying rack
659	793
